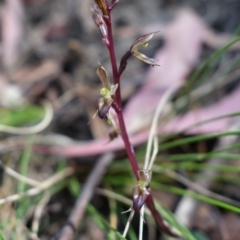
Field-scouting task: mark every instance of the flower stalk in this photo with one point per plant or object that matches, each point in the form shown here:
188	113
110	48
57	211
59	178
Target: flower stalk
116	78
111	99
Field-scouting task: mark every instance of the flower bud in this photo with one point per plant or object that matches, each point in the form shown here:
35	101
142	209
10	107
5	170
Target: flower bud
113	134
97	17
139	198
99	21
107	92
103	106
102	4
103	75
141	192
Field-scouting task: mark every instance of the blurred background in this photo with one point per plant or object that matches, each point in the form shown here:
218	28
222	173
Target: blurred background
49	52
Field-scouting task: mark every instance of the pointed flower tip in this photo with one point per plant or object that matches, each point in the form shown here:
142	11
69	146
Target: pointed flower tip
143	41
145	59
97	17
103	76
107	92
99	22
103	106
141	192
139	198
102	4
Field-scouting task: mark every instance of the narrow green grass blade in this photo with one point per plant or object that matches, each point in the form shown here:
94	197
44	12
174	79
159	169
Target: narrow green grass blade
24	115
169	216
24	163
74	186
23	204
234	114
211	59
2	236
102	223
198	156
194	166
199	197
188	140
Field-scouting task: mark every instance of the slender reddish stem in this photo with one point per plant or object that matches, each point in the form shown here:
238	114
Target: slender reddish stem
116	77
129	149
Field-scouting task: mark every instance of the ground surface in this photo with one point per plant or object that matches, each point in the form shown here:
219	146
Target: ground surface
57	53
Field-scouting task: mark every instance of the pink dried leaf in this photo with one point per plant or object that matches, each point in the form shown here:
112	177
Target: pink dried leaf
12	31
177	62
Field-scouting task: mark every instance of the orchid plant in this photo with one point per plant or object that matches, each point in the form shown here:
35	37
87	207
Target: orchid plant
110	101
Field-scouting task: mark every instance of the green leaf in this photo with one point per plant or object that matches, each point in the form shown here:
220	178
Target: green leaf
199	235
169	216
2	236
207	66
24	115
200	197
180	142
102	223
74	186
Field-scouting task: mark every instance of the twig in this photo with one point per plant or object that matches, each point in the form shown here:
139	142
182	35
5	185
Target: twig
34	129
18	176
16	142
165	98
38	213
141	222
41	187
155	152
32	235
128	223
68	231
116	196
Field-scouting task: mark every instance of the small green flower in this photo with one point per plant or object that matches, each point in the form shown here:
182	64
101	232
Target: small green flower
107	92
141	192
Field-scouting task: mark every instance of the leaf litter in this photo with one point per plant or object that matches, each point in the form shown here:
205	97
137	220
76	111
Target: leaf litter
179	56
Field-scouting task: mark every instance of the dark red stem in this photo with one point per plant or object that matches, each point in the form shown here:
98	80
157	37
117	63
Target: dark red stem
123	62
118	108
166	228
116	78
